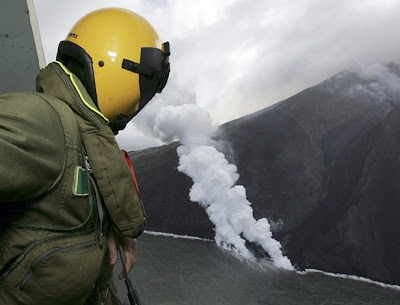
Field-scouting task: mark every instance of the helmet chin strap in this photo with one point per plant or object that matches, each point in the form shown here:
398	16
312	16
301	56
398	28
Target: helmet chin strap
120	123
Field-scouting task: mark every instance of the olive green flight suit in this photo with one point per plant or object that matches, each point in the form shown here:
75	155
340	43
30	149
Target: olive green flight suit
53	247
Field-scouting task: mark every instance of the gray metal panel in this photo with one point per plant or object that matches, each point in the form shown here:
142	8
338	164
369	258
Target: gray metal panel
19	60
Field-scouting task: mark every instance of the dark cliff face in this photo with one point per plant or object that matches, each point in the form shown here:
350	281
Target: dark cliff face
354	229
323	166
165	193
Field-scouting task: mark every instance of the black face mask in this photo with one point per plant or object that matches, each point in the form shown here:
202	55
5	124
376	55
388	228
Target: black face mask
153	71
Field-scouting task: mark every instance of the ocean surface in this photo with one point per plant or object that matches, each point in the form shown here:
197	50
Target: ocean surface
192	271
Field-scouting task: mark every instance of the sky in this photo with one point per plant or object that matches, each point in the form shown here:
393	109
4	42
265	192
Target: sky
234	57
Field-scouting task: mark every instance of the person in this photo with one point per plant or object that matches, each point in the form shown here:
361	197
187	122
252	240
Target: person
67	196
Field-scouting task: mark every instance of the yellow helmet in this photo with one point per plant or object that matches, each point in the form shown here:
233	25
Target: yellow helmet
119	58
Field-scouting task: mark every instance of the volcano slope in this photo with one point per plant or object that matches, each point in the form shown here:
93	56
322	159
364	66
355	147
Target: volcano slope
323	166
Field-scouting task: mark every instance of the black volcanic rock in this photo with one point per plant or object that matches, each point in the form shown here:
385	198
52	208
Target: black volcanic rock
355	228
322	166
165	192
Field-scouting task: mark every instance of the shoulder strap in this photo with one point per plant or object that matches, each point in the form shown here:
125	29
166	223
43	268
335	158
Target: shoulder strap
129	162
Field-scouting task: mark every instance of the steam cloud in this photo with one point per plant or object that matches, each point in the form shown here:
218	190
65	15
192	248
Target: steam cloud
214	182
375	83
382	82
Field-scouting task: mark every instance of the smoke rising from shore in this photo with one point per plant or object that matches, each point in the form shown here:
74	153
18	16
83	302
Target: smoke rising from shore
214	180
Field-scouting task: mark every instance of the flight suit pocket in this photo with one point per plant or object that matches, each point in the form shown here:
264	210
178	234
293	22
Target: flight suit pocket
59	274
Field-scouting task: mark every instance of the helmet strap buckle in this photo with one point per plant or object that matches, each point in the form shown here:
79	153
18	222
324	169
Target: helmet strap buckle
120	123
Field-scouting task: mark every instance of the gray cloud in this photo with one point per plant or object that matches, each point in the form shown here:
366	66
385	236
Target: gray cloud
234	57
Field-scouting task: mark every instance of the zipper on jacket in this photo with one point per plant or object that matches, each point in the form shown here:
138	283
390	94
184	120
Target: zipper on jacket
100	212
97	198
79	103
91	179
47	255
33	245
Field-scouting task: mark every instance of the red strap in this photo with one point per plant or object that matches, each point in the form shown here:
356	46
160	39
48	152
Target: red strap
129	162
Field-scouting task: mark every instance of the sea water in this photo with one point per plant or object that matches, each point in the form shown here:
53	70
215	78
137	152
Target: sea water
192	271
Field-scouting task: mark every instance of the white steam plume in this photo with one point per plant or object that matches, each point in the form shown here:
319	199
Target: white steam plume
380	84
214	182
